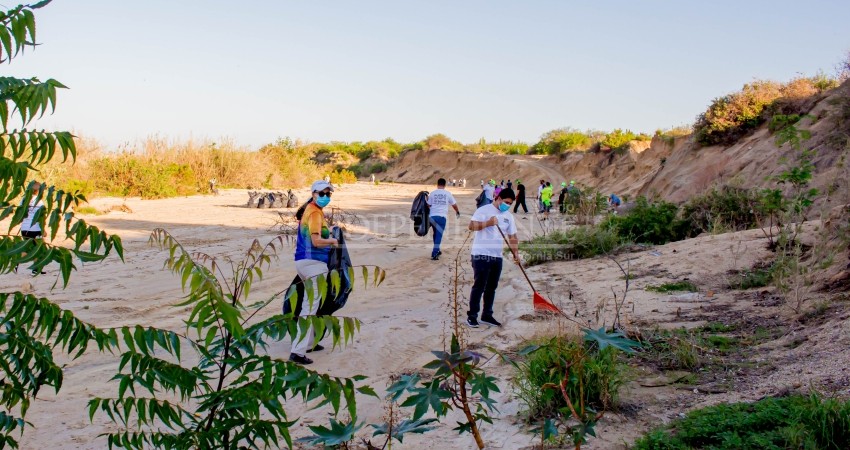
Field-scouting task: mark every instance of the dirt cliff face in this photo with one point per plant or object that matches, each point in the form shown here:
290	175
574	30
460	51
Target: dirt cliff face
674	170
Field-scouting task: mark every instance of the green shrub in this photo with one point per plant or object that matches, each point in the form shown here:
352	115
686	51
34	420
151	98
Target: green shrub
562	140
601	373
127	175
85	187
727	208
730	117
577	243
619	139
679	286
759	276
342	176
650	223
794	422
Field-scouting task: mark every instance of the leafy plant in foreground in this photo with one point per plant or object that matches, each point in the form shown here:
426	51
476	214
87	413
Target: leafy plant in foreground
576	382
459	382
34	328
234	395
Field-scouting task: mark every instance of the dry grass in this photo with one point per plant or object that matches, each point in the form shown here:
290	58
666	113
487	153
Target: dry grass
159	167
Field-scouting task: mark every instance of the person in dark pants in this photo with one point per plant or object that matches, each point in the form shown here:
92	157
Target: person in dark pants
520	197
487	248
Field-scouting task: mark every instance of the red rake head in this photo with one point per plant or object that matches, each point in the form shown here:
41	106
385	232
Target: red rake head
541	304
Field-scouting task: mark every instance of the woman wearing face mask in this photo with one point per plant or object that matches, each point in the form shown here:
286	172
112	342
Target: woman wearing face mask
312	249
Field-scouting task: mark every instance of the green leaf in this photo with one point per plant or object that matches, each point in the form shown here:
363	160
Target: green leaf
405	427
615	339
404	384
338	433
430	396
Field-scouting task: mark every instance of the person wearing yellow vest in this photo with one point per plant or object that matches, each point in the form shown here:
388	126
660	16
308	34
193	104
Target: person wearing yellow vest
546	199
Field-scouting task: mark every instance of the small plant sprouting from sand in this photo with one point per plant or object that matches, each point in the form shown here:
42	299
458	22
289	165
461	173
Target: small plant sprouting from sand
393	426
459	382
235	393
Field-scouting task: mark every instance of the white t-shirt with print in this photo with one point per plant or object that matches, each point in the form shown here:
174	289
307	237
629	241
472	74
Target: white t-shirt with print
488	242
28	224
489	192
439	201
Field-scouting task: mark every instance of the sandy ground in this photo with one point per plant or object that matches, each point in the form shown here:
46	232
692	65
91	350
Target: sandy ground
402	320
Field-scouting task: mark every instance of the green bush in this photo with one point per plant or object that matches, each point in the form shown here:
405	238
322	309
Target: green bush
727	208
758	276
601	373
342	176
679	286
730	117
85	187
577	243
618	139
650	223
562	140
129	176
794	422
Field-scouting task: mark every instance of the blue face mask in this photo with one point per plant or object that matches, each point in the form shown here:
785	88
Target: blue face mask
504	207
323	201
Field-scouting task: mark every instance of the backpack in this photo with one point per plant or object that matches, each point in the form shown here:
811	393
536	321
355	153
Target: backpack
419	213
339	261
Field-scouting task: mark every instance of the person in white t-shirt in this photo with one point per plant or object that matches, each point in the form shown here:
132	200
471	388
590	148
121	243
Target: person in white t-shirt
439	201
30	228
487	248
540	205
490	191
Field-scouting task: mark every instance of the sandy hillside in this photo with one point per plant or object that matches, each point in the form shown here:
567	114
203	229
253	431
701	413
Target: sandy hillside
674	170
405	318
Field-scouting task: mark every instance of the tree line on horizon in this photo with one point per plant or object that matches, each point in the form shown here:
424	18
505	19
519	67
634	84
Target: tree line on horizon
158	168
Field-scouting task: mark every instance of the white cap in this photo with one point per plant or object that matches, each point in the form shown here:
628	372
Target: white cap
321	185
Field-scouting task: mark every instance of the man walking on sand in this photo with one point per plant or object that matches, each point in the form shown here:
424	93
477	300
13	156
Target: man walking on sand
520	197
439	200
487	248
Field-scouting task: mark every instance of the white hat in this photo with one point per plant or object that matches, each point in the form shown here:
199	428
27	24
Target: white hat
321	185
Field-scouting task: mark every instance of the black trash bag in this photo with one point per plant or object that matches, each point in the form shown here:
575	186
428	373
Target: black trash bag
419	213
480	200
338	261
292	200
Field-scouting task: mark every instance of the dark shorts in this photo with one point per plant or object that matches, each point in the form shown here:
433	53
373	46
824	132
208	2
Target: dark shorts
31	234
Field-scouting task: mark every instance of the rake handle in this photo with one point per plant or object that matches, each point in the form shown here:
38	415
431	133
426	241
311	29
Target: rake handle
505	238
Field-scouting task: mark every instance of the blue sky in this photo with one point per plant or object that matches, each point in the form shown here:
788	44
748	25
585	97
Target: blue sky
362	70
